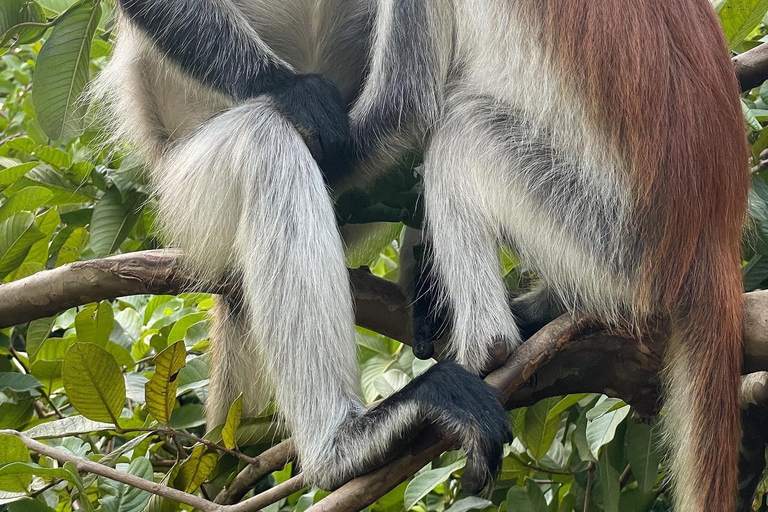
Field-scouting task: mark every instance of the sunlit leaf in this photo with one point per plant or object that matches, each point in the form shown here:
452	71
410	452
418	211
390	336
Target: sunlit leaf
93	382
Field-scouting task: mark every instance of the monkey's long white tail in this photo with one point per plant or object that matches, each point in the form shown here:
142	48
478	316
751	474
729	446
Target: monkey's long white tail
243	194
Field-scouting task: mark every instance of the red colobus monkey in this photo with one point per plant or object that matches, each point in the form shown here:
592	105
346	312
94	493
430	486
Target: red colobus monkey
602	140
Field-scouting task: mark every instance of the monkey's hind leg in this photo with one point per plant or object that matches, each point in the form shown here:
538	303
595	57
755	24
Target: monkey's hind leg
535	309
465	237
236	364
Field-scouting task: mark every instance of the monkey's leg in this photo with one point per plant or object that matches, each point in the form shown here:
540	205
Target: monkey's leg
236	363
535	309
259	205
466	236
492	172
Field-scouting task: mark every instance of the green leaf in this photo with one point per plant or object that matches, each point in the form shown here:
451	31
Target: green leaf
70	251
604	407
29	505
12	449
93	382
608	487
602	430
529	499
61	71
117	497
94	323
195	470
28	199
37	333
68	427
47	224
234	415
18	13
541	426
161	389
18	382
179	329
740	17
424	482
565	404
17	235
16	415
643	454
113	220
471	503
11	174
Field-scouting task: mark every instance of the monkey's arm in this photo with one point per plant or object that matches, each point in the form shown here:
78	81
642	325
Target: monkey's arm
402	95
214	43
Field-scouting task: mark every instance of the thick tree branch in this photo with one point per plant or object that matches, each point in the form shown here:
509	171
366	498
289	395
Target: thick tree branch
752	67
161	272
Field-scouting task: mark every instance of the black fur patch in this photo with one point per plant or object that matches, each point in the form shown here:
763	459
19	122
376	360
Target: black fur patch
206	40
315	106
463	406
428	318
407	81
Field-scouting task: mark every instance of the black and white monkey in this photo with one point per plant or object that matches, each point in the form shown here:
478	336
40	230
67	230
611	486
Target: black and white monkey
602	140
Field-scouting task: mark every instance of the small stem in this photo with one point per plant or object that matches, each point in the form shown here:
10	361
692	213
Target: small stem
41	390
588	490
539	468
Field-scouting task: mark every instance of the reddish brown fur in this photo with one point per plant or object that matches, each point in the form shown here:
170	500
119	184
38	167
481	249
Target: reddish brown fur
658	81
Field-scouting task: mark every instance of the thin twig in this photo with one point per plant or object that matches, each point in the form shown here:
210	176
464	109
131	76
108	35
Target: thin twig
83	464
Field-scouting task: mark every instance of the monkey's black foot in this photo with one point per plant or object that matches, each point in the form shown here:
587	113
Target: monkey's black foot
426	331
461	405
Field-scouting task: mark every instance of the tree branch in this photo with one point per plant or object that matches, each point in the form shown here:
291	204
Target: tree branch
752	67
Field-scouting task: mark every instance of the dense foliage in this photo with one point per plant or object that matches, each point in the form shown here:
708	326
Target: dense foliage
123	382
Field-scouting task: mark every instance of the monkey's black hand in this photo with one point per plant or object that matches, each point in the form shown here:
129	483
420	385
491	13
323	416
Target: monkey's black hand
315	106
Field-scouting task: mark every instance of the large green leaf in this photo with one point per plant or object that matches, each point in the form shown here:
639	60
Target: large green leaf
602	430
12	449
112	221
740	17
18	382
160	391
11	174
607	486
61	71
234	415
93	382
67	427
541	426
28	199
72	247
37	333
643	454
425	481
47	224
196	469
529	499
17	235
16	415
94	323
28	19
117	497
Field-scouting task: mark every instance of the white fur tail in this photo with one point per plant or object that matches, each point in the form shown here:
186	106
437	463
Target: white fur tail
243	195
